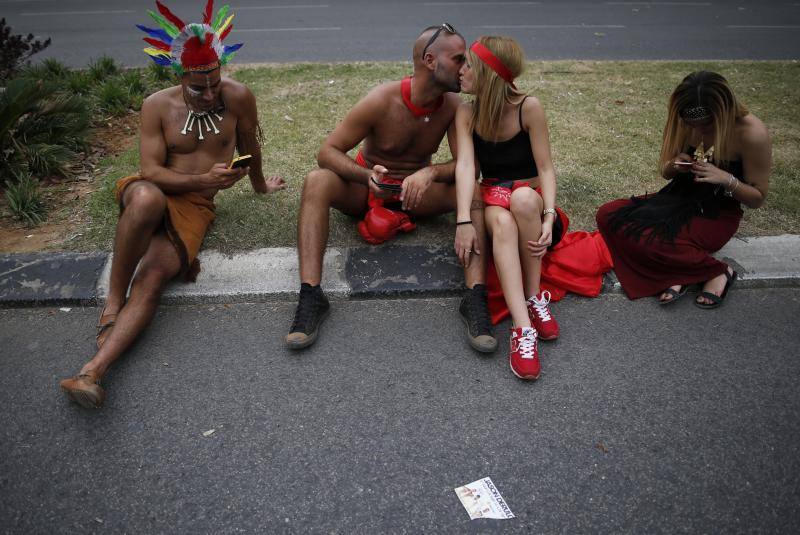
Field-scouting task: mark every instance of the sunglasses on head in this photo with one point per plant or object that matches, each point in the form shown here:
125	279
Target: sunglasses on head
446	26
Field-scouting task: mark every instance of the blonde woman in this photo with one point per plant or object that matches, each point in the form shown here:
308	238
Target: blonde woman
716	156
503	135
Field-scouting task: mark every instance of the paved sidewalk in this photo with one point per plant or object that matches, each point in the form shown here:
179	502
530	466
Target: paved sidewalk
49	279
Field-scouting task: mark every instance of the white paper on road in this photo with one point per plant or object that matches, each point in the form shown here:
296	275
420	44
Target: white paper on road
481	499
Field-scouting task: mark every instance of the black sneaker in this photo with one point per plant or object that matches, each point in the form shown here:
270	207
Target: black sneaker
312	309
474	312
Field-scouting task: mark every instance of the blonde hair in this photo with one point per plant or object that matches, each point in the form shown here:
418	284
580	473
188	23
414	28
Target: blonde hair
491	91
709	90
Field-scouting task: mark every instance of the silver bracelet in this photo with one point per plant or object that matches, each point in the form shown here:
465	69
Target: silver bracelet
733	185
548	211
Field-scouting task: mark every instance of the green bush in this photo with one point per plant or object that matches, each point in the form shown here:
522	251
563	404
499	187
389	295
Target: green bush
102	68
160	74
113	96
51	70
79	82
134	81
25	200
41	129
54	69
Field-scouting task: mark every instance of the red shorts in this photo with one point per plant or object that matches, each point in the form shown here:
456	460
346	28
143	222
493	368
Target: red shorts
386	180
498	193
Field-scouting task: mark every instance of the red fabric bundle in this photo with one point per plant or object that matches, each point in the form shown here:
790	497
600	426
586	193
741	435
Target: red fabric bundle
576	264
381	224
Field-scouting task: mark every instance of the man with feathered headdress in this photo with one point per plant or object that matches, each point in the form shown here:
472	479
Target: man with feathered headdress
188	136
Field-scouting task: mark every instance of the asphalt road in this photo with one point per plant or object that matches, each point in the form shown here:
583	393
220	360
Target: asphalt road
348	30
646	420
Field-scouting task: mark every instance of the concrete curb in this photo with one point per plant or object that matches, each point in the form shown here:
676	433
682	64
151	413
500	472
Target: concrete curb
54	279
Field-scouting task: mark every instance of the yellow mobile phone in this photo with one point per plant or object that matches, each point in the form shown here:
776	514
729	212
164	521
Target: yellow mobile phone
240	161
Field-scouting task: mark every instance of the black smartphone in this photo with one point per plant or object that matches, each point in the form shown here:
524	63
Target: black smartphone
394	188
240	161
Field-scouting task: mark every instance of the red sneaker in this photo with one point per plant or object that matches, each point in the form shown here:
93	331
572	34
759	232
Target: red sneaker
523	355
541	317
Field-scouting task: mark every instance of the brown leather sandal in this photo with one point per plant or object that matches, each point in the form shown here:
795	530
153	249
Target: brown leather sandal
104	326
85	390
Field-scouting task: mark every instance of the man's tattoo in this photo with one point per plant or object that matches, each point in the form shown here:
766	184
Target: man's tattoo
476	205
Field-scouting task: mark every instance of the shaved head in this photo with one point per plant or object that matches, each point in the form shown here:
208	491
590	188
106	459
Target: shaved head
421	41
439	52
425	36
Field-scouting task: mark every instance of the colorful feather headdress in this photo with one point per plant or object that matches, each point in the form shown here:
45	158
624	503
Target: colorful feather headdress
190	47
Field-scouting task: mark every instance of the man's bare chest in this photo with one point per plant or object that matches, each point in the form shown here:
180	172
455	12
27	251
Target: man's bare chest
403	134
212	133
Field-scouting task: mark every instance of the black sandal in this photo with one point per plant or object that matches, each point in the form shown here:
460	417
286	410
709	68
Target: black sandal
674	295
716	300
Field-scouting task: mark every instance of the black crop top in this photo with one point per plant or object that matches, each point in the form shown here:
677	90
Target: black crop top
511	159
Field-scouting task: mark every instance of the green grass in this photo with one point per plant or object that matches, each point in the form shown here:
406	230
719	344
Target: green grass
605	125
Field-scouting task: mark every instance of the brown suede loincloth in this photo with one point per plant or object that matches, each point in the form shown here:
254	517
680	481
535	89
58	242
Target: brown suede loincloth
186	221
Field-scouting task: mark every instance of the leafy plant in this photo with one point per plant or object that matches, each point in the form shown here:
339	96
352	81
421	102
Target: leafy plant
48	69
25	200
113	96
102	68
160	74
40	129
55	69
78	82
16	49
134	81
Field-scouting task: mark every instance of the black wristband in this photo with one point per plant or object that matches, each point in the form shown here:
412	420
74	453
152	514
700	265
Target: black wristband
469	222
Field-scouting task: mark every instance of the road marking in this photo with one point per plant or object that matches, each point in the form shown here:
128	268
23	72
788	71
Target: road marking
60	13
658	3
756	27
481	3
545	26
307	6
329	29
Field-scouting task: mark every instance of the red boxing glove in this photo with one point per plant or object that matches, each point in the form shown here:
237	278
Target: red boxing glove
381	224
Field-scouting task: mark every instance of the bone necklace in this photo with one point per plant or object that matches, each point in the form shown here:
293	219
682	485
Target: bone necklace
202	119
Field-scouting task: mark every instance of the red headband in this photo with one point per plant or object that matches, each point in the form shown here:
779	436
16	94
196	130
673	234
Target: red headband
493	62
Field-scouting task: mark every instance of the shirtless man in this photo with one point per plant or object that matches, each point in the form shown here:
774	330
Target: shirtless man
188	134
401	125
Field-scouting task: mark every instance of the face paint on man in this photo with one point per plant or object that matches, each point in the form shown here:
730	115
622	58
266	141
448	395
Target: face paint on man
202	89
193	93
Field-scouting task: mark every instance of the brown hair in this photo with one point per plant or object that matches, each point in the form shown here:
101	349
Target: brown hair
491	91
711	91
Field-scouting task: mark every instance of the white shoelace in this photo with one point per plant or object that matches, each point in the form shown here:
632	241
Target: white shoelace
541	306
527	343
